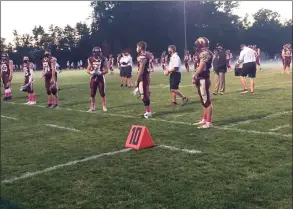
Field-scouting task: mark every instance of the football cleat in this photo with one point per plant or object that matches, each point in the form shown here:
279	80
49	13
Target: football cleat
33	103
91	110
205	126
104	109
147	115
29	102
55	106
49	105
201	122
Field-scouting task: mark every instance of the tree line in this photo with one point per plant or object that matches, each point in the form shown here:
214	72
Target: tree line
118	26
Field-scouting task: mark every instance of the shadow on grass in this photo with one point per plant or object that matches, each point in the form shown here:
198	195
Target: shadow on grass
5	204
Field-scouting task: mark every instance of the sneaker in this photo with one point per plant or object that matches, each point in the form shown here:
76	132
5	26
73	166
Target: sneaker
205	126
201	122
185	100
33	103
222	93
49	105
91	110
29	102
104	109
55	106
147	115
244	91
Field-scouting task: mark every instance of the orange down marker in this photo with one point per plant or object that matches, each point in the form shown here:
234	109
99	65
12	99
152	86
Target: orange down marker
139	138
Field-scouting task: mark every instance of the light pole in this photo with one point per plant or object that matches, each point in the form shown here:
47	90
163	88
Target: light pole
184	12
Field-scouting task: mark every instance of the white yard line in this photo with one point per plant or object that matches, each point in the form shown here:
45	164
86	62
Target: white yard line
61	127
266	117
11	118
280	127
169	121
254	132
31	174
191	151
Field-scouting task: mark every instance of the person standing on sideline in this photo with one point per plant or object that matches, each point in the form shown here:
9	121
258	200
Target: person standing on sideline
174	69
201	79
220	68
247	57
126	69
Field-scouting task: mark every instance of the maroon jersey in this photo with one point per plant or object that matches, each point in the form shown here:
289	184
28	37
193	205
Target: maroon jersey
163	60
288	52
47	66
228	55
5	68
111	61
28	71
187	58
207	57
144	58
98	65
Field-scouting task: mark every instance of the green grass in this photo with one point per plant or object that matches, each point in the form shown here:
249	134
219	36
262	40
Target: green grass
236	169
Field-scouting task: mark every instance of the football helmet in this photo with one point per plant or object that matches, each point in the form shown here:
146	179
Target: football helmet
97	51
201	43
4	56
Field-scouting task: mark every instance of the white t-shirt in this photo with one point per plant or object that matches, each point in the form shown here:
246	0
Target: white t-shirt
175	61
246	55
126	59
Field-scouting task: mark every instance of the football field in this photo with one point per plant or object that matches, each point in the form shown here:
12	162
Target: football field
66	158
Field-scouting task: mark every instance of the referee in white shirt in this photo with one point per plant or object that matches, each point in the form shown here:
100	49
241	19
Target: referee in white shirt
247	57
174	69
126	70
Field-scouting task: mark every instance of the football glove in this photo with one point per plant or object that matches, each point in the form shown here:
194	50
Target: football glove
24	88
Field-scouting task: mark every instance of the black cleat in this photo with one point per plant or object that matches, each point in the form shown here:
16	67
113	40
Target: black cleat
49	105
121	85
4	99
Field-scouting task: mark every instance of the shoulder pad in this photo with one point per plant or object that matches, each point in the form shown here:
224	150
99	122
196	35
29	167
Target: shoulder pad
205	56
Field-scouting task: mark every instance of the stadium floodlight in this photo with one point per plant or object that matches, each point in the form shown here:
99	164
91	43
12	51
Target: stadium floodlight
184	13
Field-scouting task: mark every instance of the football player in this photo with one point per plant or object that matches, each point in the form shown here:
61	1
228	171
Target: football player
28	69
119	56
257	56
187	60
143	76
111	63
228	60
6	74
202	81
286	57
49	74
152	61
163	60
195	60
97	67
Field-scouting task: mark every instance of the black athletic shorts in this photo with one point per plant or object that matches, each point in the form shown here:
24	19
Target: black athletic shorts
238	71
175	79
249	69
